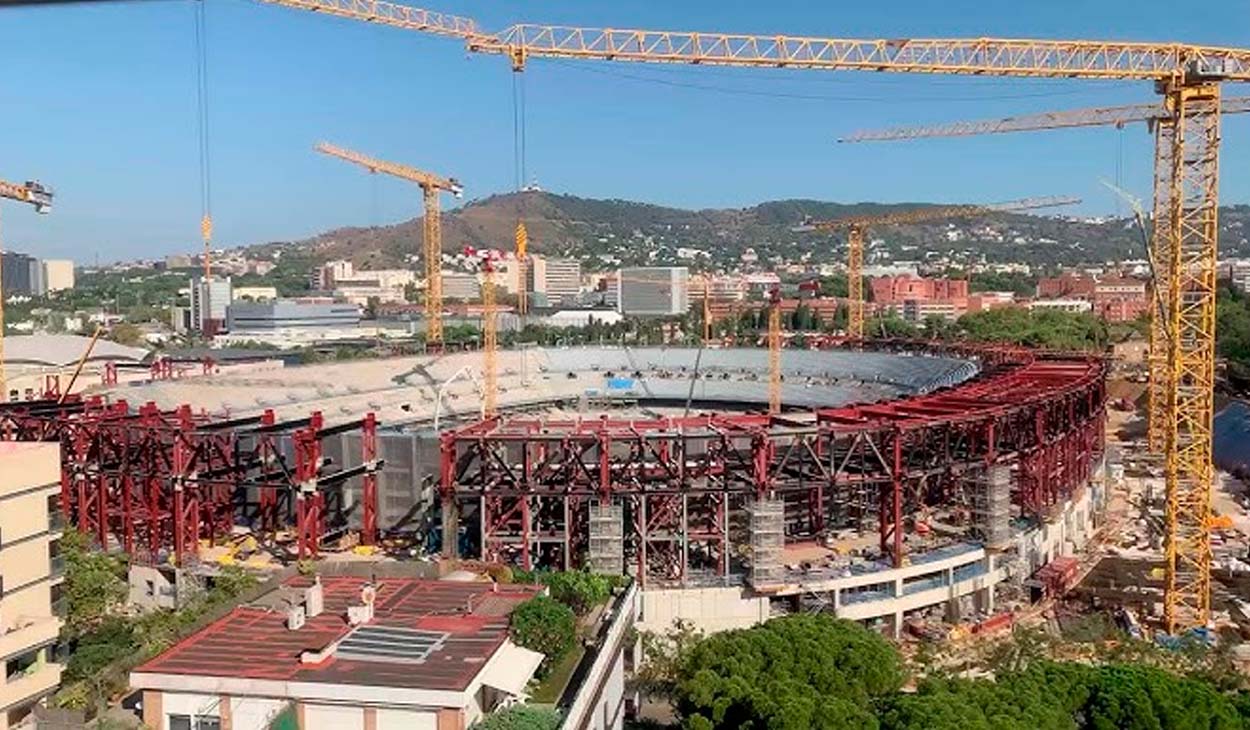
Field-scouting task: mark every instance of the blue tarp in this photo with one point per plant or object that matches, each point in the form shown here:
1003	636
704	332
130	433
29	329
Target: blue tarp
620	383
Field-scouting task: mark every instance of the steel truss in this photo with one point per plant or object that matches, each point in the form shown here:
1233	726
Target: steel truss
157	483
682	482
1191	227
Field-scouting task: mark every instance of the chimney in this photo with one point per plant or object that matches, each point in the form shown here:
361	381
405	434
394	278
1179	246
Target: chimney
295	618
314	598
363	613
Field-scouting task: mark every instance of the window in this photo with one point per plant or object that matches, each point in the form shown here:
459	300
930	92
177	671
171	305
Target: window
197	722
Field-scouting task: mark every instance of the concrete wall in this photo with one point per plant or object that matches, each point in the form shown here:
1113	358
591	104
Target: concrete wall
332	717
406	720
709	609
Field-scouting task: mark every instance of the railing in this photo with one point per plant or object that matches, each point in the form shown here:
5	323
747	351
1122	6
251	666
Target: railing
60	607
56	566
56	521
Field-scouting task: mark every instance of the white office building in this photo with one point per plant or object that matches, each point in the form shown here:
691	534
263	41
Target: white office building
654	291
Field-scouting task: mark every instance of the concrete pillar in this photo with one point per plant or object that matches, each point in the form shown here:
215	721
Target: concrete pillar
225	712
300	722
451	528
952	610
153	716
897	622
371	718
984	600
449	718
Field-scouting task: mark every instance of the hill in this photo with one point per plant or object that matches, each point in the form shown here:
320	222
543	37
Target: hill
607	233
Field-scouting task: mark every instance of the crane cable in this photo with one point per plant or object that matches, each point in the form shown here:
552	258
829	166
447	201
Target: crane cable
201	99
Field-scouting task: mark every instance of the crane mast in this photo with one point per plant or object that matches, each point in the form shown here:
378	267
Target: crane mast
774	351
432	186
40	197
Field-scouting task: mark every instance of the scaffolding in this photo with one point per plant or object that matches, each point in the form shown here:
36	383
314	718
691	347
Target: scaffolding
990	491
768	540
607	538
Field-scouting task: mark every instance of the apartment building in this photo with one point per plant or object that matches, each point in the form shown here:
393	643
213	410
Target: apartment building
559	279
651	291
346	653
31	572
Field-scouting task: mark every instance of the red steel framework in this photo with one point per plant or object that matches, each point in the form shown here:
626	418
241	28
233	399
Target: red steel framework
680	480
156	483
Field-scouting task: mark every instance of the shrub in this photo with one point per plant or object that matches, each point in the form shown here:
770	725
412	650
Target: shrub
544	625
580	591
521	717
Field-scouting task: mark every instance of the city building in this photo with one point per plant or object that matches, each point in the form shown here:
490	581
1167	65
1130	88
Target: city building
16	274
1063	305
917	311
346	653
209	300
559	279
892	290
255	293
657	291
1238	273
31	572
462	286
981	301
58	275
331	272
276	315
1066	284
725	294
179	261
1114	298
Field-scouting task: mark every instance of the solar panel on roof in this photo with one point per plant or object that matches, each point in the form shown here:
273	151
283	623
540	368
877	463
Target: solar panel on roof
390	644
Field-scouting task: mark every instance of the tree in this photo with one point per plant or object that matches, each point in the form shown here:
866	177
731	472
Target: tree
577	589
94	582
794	672
521	717
545	625
124	333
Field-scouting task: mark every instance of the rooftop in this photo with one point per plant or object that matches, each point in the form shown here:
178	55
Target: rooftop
461	626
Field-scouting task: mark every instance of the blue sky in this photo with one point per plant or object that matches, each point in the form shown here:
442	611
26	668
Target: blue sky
99	103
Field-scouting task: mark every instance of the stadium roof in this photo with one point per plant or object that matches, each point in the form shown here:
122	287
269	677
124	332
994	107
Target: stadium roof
64	350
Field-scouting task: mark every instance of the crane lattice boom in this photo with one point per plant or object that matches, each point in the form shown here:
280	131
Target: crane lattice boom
1092	117
431	187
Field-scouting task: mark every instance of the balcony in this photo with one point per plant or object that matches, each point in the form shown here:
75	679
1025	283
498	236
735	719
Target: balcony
56	521
37	681
40	631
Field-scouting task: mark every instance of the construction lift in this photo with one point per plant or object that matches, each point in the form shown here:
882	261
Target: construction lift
855	226
40	197
431	187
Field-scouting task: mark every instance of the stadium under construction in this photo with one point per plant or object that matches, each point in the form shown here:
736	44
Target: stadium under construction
899	475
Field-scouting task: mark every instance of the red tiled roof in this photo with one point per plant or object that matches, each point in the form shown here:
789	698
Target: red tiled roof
253	642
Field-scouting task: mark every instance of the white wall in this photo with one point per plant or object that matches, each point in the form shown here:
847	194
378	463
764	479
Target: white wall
332	717
709	609
186	703
253	713
406	720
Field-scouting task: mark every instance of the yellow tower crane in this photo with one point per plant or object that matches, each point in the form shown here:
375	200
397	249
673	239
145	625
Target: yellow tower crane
31	193
774	350
431	187
855	226
1157	117
1188	77
1181	320
490	331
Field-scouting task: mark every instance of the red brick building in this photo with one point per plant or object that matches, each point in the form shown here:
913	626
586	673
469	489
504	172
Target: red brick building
902	288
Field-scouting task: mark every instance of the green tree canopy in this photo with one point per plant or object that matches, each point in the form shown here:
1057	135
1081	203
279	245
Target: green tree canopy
545	625
791	673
